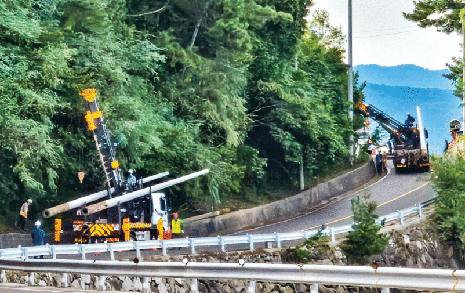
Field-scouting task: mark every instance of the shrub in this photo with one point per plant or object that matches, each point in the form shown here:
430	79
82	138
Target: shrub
313	248
365	240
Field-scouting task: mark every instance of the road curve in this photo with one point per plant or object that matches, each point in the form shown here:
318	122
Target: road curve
392	192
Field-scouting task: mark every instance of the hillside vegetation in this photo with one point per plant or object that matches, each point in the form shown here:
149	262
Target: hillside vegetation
448	178
242	87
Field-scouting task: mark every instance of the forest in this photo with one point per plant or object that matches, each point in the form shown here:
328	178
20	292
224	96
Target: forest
249	89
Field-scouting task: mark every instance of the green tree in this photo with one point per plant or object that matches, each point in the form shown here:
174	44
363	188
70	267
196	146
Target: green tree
445	16
365	240
31	71
450	201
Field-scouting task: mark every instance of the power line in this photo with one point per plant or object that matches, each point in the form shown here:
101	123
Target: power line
388	29
362	37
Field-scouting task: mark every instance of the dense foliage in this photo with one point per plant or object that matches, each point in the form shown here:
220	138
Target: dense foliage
365	240
449	170
242	87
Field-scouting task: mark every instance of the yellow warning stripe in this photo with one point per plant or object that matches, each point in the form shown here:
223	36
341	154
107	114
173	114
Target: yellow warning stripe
101	229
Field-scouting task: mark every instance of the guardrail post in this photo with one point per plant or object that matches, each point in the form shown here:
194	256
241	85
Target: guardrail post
112	251
222	243
163	247
314	288
31	279
401	216
3	276
63	280
145	285
192	244
25	252
420	211
333	236
53	251
194	286
278	240
252	286
250	241
82	249
385	290
136	246
101	283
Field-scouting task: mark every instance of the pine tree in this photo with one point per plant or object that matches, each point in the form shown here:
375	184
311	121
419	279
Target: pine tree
365	240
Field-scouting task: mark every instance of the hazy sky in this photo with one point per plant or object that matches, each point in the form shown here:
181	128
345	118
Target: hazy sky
381	35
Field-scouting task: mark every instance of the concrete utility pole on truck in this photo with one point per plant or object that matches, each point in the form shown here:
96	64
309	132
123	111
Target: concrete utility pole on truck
128	212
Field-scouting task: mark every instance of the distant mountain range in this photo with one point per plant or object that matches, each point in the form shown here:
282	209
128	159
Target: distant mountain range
398	90
405	75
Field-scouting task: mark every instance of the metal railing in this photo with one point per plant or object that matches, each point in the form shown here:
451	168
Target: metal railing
222	241
382	277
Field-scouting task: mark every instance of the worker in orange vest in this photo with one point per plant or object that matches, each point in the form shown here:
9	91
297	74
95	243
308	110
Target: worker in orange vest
21	224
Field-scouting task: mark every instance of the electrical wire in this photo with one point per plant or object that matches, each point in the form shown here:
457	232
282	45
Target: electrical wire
388	29
362	37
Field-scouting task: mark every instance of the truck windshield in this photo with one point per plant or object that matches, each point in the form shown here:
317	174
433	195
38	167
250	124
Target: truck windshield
162	204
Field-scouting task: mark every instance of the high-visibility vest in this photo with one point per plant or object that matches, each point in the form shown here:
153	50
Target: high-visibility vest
160	229
24	209
176	226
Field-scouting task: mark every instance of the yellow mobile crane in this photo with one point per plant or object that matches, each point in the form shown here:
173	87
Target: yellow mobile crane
131	212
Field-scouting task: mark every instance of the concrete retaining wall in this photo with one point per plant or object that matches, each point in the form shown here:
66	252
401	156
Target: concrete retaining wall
15	239
279	210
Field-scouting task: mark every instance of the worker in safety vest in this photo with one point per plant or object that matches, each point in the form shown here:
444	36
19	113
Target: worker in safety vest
160	229
176	224
21	224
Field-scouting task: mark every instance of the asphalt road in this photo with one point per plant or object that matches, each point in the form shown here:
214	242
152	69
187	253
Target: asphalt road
391	192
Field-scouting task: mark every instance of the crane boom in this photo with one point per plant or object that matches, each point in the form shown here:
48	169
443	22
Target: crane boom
107	153
390	124
410	148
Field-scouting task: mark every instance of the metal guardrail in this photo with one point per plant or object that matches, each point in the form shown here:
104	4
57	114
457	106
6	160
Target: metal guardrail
164	245
382	277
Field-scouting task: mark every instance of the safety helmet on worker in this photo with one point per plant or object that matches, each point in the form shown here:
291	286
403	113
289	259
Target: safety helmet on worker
29	200
38	223
130	171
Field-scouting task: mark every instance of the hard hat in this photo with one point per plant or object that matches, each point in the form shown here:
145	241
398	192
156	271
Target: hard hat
130	171
29	200
38	223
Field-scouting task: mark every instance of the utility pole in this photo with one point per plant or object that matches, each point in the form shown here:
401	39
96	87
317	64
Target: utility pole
350	86
462	14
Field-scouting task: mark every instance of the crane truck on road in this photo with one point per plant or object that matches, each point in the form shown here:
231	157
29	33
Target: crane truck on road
409	149
126	211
